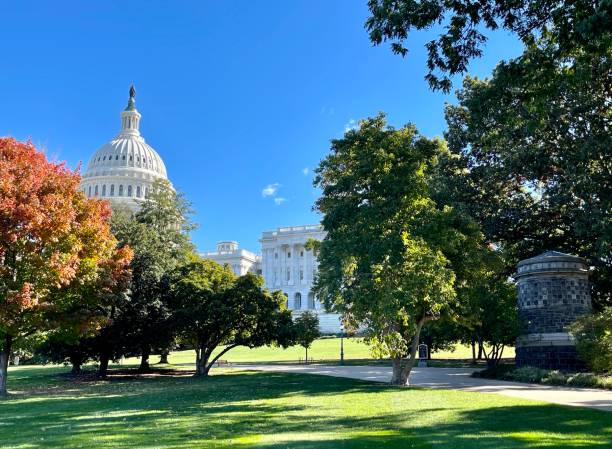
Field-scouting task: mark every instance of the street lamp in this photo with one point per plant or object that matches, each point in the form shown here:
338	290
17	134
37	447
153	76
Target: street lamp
342	344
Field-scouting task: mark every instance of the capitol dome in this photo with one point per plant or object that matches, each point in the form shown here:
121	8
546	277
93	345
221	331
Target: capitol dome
124	169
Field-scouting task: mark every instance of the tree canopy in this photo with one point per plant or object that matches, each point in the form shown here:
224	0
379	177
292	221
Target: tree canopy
574	25
212	307
388	260
532	157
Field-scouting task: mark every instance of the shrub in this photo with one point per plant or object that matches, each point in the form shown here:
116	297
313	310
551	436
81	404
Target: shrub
593	334
537	375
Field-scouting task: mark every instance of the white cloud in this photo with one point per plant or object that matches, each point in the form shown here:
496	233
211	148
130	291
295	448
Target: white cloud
270	189
305	171
352	124
279	200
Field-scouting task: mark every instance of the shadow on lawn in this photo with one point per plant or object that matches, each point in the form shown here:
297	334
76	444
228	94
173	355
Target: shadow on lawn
229	410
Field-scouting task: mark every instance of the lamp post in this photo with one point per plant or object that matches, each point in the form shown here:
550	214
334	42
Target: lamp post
342	344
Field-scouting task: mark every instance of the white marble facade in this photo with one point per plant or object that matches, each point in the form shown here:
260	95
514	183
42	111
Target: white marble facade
240	260
288	266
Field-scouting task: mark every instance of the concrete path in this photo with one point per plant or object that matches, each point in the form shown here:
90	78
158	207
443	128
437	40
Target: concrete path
457	379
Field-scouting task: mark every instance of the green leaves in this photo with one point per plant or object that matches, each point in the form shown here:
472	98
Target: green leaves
389	256
576	26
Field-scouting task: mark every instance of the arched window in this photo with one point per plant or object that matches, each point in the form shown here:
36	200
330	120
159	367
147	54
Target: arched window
104	190
96	190
129	190
121	190
112	190
117	157
297	301
89	191
311	301
138	191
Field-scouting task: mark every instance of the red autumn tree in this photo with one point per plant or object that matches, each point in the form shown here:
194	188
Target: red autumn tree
50	236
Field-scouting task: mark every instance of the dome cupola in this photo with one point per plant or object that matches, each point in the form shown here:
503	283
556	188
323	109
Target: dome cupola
124	169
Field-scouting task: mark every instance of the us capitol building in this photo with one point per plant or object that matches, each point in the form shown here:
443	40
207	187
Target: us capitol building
123	171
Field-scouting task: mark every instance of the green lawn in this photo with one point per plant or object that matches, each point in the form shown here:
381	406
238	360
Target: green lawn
324	349
247	409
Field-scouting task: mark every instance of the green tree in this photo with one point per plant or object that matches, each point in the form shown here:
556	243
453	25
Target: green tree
574	25
306	330
593	334
159	236
389	258
213	308
532	153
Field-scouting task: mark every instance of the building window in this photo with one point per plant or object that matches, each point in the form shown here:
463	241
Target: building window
121	190
276	255
112	190
301	274
96	191
89	191
104	190
129	190
297	301
301	253
289	255
117	157
138	191
123	157
288	277
311	301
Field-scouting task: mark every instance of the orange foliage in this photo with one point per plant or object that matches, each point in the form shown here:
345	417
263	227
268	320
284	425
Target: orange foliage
50	235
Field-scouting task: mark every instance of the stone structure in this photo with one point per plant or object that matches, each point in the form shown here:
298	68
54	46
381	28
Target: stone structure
553	290
124	169
241	261
288	266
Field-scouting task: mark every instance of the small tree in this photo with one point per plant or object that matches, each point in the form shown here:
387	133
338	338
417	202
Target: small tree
306	330
212	308
593	334
50	236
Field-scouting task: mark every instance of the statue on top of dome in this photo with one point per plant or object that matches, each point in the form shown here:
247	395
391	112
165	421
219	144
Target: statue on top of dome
132	91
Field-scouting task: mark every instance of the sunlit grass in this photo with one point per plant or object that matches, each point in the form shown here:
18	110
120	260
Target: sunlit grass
322	350
241	409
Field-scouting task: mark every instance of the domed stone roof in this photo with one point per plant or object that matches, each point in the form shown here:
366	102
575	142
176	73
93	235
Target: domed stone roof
124	169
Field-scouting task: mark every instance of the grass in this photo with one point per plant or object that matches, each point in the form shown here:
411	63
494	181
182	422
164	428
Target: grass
322	350
241	409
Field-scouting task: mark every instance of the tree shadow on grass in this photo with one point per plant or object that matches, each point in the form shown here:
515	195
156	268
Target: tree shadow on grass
280	410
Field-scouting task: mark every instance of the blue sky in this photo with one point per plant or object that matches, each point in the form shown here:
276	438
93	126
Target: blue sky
240	98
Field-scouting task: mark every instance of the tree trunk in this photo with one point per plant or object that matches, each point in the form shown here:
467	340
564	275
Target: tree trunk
402	367
144	360
473	343
201	363
103	369
163	358
480	349
306	356
76	362
203	366
5	353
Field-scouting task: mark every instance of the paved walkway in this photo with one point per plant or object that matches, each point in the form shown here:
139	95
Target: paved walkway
457	379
